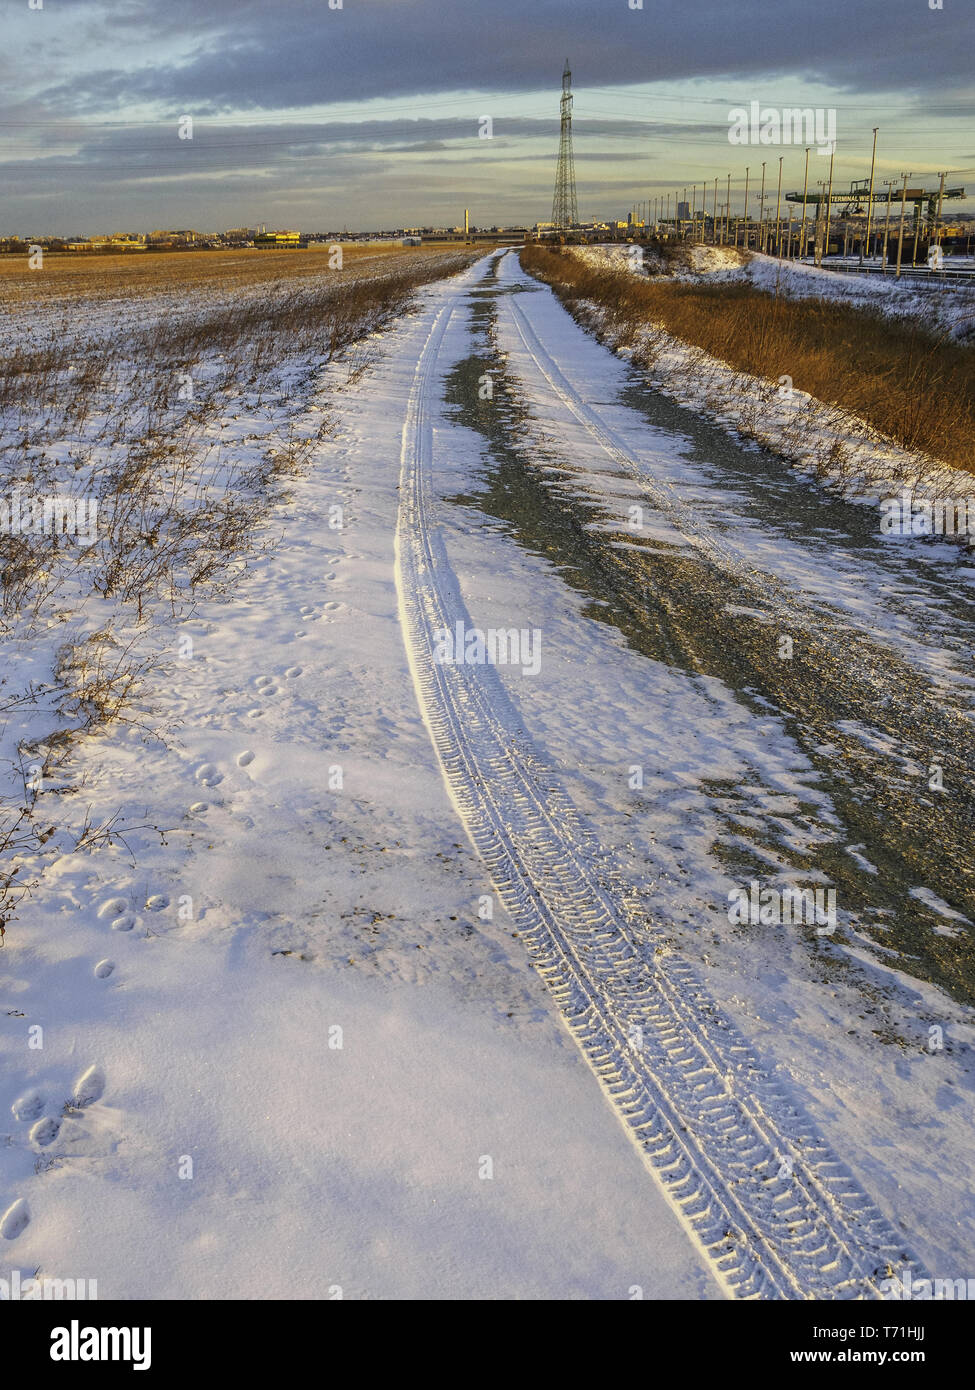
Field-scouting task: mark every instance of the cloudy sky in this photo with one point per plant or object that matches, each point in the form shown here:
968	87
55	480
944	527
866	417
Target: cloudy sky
324	114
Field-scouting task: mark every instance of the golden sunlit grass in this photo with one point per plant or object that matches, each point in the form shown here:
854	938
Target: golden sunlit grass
133	415
907	382
68	275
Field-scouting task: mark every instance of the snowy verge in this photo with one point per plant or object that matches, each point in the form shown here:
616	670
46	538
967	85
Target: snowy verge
943	308
842	451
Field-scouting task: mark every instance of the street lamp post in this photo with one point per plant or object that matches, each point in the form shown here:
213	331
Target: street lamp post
900	234
883	258
745	213
778	210
873	162
805	189
829	199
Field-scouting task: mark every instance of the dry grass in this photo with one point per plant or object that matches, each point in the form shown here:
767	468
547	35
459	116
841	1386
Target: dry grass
111	415
69	275
182	476
916	388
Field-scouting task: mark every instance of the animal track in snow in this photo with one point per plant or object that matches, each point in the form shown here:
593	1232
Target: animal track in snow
113	907
118	909
293	671
28	1106
157	902
103	969
207	775
45	1131
14	1219
89	1087
245	759
198	808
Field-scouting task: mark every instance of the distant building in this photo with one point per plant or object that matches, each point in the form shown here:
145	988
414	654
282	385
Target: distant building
184	237
121	242
266	238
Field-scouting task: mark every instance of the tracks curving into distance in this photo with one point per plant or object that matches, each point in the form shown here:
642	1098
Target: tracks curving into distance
759	1191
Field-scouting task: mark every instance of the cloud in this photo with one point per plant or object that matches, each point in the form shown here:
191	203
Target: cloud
245	69
237	55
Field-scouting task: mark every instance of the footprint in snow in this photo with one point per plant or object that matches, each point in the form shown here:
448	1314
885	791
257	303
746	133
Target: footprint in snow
124	922
113	907
103	969
293	671
157	902
28	1106
45	1131
89	1087
208	775
198	808
14	1219
245	759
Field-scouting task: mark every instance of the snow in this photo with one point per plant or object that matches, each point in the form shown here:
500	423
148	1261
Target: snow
708	260
841	450
308	872
322	1173
944	306
614	257
691	734
314	1169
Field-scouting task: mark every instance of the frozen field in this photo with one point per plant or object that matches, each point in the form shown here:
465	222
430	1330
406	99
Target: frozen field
397	976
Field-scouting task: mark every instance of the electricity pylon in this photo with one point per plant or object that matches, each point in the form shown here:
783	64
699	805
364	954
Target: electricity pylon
565	213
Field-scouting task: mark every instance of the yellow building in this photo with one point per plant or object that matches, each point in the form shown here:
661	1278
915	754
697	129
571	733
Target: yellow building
265	238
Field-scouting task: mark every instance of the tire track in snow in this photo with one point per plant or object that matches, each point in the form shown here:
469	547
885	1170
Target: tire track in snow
827	630
881	709
756	1187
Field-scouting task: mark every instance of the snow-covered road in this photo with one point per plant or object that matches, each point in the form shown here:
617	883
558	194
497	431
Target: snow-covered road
358	1027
